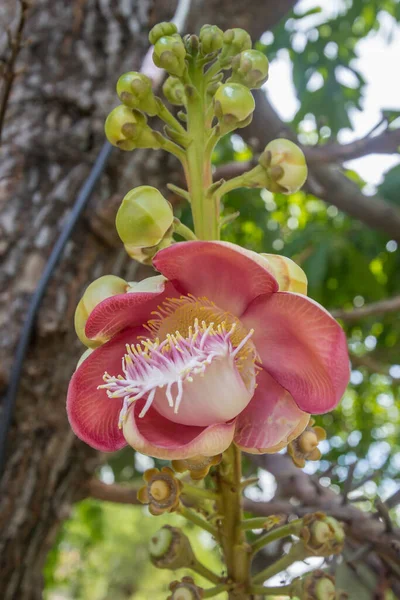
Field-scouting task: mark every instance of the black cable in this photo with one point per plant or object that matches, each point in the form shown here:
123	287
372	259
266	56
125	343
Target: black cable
36	300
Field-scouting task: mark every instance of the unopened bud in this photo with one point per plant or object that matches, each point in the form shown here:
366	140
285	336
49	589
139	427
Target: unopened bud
160	30
211	39
186	589
235	40
161	492
250	68
135	91
174	91
198	466
127	129
317	585
233	105
285	166
170	549
305	447
169	54
322	535
143	218
100	289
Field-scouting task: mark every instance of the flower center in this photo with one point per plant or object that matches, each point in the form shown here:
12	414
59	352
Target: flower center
209	354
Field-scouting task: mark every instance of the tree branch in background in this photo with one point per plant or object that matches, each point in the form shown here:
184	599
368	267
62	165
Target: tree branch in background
114	492
375	308
7	65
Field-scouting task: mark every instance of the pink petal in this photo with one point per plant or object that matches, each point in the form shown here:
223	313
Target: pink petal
157	436
126	310
227	274
302	347
92	414
271	419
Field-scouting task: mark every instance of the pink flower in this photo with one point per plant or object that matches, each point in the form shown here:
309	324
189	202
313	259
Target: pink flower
223	346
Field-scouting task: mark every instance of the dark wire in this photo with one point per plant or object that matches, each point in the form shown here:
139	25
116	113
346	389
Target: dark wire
54	258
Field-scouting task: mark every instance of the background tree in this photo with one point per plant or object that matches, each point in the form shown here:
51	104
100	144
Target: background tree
345	240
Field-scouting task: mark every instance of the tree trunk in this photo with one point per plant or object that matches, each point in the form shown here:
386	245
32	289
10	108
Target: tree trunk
53	132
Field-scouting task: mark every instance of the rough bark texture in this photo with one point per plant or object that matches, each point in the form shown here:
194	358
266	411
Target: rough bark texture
54	128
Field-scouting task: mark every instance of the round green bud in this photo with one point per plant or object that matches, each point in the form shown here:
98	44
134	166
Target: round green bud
135	91
100	289
211	39
127	129
286	166
174	91
144	217
235	41
170	549
169	54
324	589
233	103
160	30
250	68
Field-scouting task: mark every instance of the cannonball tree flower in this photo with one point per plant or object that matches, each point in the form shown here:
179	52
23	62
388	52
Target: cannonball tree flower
223	346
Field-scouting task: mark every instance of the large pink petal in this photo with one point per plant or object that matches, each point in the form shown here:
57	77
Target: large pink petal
157	436
227	274
271	420
126	310
92	414
302	347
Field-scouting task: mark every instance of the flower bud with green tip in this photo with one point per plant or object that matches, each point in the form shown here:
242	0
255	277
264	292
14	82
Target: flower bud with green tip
143	218
211	39
186	589
135	91
169	54
160	30
100	289
233	105
285	166
127	129
250	68
174	91
170	549
235	41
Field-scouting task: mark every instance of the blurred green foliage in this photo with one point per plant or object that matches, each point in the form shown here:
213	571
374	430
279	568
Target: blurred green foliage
101	550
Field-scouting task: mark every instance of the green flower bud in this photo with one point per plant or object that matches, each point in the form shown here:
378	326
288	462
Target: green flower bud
174	91
135	91
235	41
233	104
160	30
322	535
211	39
144	217
127	129
316	585
169	54
250	68
186	589
100	289
285	166
170	549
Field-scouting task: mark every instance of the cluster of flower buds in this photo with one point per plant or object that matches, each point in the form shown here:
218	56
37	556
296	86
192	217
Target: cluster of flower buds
186	589
317	585
170	548
321	535
144	223
305	447
198	466
161	492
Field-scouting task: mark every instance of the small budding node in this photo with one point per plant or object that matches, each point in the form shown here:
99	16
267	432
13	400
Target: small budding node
235	40
233	106
135	91
186	589
285	166
318	585
211	39
250	68
174	91
161	492
305	447
100	289
127	129
144	218
322	535
169	54
198	466
160	30
170	548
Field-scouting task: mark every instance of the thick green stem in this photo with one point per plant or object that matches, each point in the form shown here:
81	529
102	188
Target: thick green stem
183	231
202	570
191	516
192	491
276	534
214	591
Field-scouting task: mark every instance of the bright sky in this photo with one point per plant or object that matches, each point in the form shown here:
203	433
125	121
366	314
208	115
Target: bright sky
378	62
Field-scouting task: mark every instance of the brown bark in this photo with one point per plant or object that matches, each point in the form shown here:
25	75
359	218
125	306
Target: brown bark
53	131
